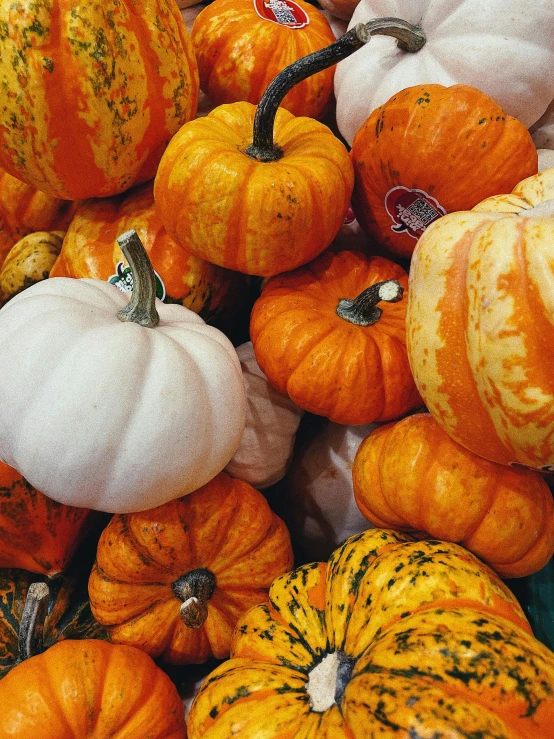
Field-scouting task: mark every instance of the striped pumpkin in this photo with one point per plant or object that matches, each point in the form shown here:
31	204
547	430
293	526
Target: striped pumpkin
29	261
480	324
392	638
96	90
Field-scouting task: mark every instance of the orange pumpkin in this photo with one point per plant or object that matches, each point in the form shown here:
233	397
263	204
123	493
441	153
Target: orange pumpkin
430	150
90	249
24	209
241	45
480	324
30	260
410	476
36	533
94	92
320	338
174	580
90	688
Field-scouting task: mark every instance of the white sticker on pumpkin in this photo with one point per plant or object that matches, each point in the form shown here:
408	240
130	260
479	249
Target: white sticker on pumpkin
123	280
284	12
411	211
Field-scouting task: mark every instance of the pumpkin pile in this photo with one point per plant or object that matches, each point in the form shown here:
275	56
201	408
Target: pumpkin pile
276	410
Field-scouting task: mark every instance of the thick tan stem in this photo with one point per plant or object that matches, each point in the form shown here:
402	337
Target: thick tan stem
31	626
141	308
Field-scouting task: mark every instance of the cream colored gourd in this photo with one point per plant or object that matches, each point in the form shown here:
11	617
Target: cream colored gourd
113	415
502	47
271	423
321	509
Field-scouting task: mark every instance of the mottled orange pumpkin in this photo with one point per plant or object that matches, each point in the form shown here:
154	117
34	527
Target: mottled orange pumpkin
30	260
241	45
392	638
24	209
480	324
431	150
90	249
89	688
411	476
93	92
320	338
36	533
174	580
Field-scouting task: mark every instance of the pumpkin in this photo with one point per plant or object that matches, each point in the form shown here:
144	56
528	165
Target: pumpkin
95	92
320	508
391	638
81	689
543	130
494	43
109	410
24	209
411	476
90	249
174	580
479	324
431	150
30	260
36	533
241	45
34	615
320	337
265	449
546	159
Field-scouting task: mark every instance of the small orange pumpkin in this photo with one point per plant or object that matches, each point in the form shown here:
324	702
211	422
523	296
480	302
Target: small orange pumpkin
430	150
410	476
320	338
241	45
174	580
30	260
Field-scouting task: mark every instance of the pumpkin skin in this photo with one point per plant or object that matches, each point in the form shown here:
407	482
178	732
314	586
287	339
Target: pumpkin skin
109	82
493	46
69	615
129	438
480	328
466	149
90	249
225	527
36	533
351	374
259	218
80	689
410	476
272	420
240	50
416	638
30	260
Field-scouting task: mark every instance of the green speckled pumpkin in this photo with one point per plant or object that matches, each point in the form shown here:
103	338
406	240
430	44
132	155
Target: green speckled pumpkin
392	639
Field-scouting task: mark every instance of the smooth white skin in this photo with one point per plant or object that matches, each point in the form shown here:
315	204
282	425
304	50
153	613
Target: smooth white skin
542	131
109	415
502	47
272	420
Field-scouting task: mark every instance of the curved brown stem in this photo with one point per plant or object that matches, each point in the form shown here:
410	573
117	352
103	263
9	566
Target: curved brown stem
141	308
31	627
195	589
363	310
263	149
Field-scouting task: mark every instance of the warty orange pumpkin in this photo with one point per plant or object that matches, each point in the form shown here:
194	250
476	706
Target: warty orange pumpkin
331	335
479	324
174	580
410	476
431	150
392	638
94	92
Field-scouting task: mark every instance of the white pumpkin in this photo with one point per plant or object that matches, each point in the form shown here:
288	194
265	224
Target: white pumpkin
320	508
503	47
271	423
546	159
113	415
542	133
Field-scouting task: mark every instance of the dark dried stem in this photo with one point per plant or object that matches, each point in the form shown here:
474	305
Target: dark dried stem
141	308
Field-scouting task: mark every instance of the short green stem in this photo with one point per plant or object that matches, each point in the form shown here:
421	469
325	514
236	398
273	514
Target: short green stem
141	308
31	626
363	310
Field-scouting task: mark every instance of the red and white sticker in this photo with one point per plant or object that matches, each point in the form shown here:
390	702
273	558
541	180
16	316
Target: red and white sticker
284	12
411	211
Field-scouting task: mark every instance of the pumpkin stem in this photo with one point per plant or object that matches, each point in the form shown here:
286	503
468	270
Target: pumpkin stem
363	310
31	626
195	589
263	149
141	308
